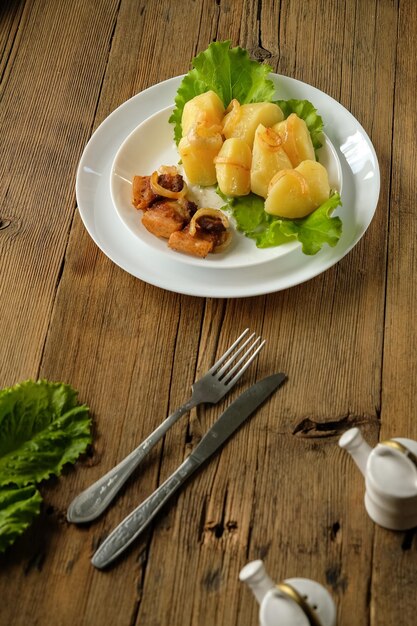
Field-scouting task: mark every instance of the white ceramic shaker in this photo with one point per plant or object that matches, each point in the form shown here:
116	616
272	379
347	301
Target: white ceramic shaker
390	471
294	602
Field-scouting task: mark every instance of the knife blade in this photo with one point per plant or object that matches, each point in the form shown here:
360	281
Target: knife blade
234	415
131	527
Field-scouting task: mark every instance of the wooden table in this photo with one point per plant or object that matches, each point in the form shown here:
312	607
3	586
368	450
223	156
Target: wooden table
281	489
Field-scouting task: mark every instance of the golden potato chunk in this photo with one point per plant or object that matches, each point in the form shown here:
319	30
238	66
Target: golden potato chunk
296	193
197	151
268	158
296	139
206	108
241	121
318	180
233	167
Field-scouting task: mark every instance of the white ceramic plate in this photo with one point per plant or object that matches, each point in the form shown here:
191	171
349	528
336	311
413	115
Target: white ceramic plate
151	145
361	182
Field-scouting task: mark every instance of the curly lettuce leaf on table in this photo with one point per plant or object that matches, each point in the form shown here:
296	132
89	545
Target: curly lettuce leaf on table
42	428
18	507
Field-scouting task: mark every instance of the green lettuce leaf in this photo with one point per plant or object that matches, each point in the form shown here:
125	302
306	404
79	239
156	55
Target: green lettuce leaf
248	211
18	507
42	428
312	232
230	72
307	112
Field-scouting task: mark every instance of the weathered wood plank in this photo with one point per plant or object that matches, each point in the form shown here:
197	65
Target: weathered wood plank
395	554
10	18
46	113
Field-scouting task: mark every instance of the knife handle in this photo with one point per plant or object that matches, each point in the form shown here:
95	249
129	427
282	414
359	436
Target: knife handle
131	527
91	502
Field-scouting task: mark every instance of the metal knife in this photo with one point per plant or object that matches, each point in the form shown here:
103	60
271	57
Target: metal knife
129	529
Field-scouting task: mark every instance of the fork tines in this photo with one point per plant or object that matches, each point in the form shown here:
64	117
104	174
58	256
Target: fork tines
221	368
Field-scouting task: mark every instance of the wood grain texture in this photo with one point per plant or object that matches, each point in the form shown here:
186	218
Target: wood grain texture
46	114
397	552
281	489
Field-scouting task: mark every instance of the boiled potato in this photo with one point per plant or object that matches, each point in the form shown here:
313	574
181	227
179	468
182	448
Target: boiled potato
241	121
197	151
206	108
318	181
296	139
298	192
233	167
268	158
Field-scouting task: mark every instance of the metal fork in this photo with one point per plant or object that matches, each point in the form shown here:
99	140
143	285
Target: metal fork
209	389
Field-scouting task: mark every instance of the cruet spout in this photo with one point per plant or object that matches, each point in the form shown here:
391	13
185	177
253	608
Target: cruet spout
255	576
355	444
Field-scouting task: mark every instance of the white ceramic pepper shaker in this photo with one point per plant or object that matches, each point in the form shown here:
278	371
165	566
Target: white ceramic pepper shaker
294	602
390	471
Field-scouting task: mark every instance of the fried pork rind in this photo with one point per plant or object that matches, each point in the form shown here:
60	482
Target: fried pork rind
168	185
165	183
167	216
167	213
142	194
208	231
182	241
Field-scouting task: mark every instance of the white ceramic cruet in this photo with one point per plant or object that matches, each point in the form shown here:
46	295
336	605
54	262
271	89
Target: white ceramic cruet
390	471
294	602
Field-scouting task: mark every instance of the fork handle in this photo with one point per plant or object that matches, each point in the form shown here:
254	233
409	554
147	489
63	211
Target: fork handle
91	503
129	529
